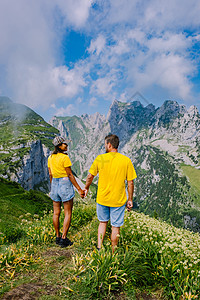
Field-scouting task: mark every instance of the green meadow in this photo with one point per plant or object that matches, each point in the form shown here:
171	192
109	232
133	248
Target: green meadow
193	175
153	260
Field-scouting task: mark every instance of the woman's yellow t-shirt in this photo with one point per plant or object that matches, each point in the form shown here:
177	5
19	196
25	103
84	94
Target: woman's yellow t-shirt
57	163
113	168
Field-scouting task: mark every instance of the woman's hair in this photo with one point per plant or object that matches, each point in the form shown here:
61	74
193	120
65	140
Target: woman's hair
58	150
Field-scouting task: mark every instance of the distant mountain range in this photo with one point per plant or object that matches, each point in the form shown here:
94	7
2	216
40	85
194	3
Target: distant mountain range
163	143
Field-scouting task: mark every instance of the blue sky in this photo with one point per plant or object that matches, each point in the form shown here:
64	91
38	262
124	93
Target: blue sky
66	57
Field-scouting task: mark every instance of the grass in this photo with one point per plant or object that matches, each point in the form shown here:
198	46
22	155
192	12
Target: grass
152	258
193	175
17	204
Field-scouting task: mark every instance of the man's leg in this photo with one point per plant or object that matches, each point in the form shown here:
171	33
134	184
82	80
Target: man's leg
68	205
114	237
101	232
117	220
56	215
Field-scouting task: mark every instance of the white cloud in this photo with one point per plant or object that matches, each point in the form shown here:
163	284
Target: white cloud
171	14
97	46
168	71
152	14
75	12
102	86
93	101
79	100
143	61
29	40
69	110
36	86
135	44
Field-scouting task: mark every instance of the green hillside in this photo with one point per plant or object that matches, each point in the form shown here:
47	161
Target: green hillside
20	125
172	195
193	175
153	260
17	204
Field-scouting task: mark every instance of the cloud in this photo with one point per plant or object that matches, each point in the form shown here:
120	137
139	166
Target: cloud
30	37
69	110
75	12
97	45
153	14
36	86
102	86
137	60
135	44
93	101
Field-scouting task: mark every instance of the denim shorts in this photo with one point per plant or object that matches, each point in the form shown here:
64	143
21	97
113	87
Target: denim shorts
62	189
114	214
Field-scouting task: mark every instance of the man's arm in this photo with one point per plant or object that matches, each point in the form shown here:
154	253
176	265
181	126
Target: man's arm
129	203
50	175
74	182
89	180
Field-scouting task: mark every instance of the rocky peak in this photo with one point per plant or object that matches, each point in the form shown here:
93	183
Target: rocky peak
127	118
193	111
168	112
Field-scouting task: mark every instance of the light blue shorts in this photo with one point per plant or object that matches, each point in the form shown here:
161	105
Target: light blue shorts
62	189
114	214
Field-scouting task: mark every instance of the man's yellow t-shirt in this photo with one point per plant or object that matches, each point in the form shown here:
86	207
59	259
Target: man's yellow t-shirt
113	168
57	163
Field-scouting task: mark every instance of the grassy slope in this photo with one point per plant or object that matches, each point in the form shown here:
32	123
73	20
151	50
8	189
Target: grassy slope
193	175
150	259
16	203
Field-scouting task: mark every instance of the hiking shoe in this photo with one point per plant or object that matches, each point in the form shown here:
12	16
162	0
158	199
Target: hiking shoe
65	242
58	240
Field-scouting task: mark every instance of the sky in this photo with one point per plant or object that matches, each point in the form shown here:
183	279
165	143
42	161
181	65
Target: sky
72	57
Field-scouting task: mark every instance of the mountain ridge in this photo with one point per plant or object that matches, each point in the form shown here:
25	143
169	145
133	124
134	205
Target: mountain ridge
169	134
163	144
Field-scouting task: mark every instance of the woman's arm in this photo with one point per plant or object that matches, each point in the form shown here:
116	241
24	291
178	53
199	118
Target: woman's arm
50	175
74	182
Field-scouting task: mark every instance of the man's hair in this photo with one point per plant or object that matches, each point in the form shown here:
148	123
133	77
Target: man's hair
113	140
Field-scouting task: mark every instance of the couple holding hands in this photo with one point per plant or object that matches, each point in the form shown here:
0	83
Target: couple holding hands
114	170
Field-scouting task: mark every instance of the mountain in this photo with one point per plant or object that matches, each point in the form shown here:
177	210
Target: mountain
164	145
25	143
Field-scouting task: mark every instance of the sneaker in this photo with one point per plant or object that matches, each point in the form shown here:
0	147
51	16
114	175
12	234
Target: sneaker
58	240
65	242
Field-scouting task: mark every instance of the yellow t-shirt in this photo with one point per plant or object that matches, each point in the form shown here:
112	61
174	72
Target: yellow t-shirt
57	163
113	168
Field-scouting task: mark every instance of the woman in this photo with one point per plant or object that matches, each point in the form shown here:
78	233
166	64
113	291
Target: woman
62	190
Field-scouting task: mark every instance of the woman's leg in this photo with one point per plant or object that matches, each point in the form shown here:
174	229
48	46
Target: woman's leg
56	215
68	205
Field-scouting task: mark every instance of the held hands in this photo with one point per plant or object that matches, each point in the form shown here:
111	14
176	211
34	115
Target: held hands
83	193
86	192
129	205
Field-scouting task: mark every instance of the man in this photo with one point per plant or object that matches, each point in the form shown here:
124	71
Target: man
113	168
